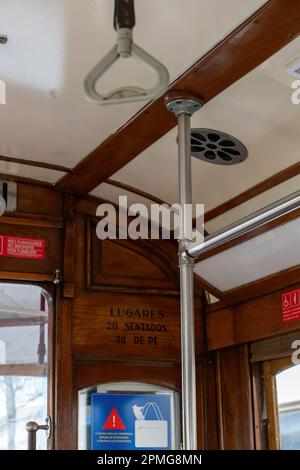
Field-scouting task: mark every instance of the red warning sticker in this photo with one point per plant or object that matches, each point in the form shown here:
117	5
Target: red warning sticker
16	247
290	305
114	421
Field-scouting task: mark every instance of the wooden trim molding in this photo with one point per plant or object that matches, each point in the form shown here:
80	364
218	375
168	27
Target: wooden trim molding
19	276
36	370
263	34
25	161
255	320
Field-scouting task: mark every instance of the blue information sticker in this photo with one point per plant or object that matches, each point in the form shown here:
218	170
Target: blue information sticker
123	421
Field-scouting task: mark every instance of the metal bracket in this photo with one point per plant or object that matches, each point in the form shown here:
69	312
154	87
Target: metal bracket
125	47
57	277
182	102
8	196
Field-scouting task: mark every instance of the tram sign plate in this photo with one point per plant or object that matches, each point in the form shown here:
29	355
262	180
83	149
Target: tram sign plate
290	305
130	421
17	247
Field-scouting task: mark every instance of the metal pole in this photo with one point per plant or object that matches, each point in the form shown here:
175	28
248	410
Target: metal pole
32	428
184	108
245	225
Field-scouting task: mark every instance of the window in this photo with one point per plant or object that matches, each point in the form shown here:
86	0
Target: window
282	386
23	363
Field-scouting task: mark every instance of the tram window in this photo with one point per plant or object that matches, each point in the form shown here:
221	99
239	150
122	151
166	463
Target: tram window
23	363
282	380
288	402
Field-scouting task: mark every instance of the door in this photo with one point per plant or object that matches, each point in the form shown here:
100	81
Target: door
25	311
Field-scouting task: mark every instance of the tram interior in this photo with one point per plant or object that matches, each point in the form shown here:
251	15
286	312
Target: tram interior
97	334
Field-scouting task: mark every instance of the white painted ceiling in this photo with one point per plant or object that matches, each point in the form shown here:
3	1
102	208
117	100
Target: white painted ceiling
271	252
53	44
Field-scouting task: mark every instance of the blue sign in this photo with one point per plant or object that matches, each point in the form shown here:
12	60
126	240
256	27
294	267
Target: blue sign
122	421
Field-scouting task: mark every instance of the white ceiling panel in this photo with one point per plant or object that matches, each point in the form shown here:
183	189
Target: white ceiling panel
53	44
266	254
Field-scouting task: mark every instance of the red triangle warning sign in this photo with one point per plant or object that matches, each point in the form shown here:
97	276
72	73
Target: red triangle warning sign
114	421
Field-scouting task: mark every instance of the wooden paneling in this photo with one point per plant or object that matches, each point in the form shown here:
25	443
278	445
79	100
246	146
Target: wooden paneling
258	400
120	326
91	373
65	433
139	264
249	321
260	36
53	249
39	200
207	412
236	400
69	247
116	326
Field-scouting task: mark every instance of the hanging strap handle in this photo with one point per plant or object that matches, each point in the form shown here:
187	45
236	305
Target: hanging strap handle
124	21
124	16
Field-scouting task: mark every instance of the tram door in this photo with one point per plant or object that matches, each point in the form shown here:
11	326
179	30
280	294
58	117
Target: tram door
24	352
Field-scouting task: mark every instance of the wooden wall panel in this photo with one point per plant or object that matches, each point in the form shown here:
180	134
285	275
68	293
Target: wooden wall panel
53	249
235	395
65	432
117	326
250	321
39	200
207	412
129	265
89	373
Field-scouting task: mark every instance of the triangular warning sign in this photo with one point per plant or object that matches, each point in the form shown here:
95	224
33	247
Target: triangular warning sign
114	421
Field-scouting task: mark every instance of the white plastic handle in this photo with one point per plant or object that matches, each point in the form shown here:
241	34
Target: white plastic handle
127	94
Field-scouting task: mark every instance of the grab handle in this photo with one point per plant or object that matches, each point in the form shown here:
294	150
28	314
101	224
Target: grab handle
126	94
124	21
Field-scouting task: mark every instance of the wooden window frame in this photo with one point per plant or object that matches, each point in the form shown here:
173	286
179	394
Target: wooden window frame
271	369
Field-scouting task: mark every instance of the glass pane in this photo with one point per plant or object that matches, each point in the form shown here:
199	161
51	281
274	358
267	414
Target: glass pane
288	396
121	391
23	363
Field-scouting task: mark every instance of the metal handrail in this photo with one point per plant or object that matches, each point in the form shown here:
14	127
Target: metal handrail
245	225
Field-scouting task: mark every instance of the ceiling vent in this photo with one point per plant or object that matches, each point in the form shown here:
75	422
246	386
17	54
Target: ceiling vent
217	147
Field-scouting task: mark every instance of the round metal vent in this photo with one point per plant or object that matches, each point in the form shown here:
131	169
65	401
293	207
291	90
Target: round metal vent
217	147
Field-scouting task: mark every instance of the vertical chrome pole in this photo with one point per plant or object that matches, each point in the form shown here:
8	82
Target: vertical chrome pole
184	107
